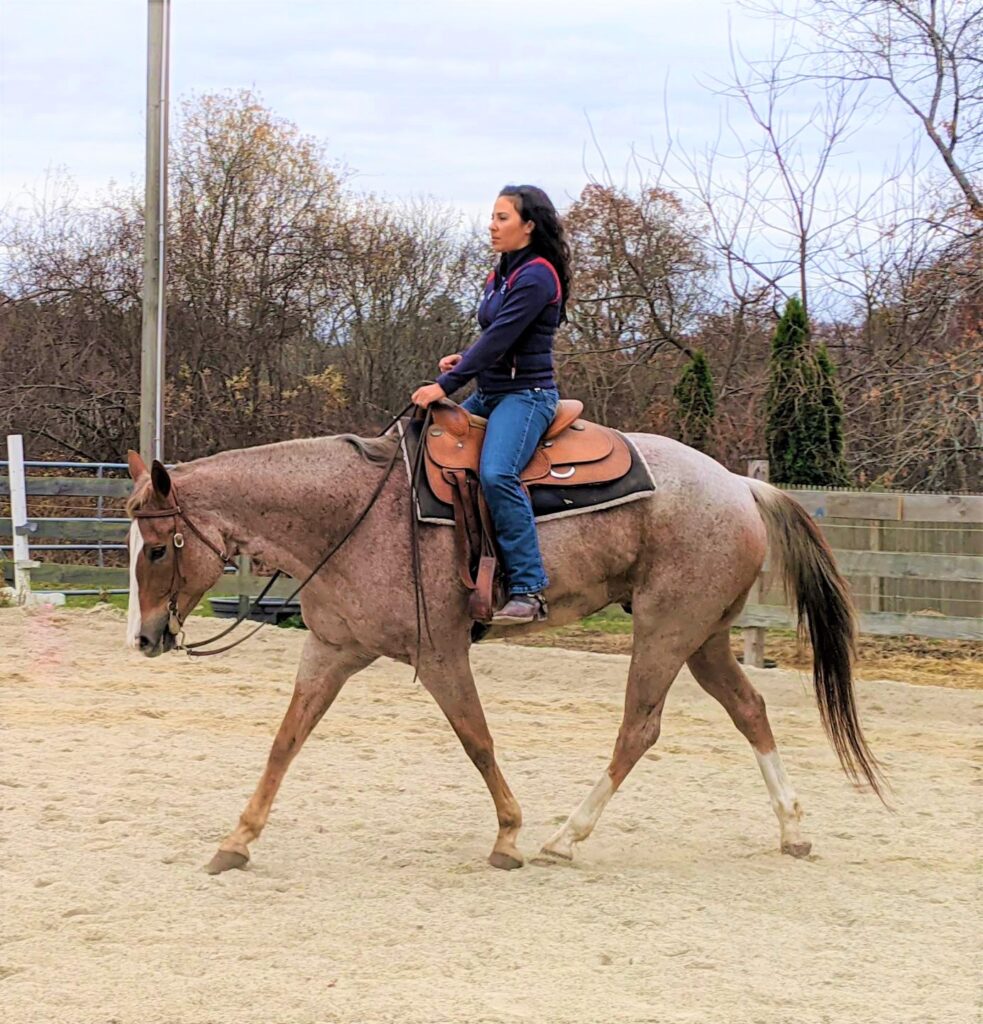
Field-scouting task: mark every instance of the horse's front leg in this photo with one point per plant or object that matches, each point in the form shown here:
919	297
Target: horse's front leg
451	684
322	673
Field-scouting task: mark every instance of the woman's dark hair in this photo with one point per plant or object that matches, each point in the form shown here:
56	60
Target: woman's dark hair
548	238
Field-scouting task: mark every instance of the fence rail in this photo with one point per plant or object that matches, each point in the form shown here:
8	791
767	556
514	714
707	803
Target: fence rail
91	577
69	486
861	527
942	627
76	529
891	507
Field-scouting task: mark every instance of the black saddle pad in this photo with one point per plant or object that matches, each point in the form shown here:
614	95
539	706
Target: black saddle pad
547	502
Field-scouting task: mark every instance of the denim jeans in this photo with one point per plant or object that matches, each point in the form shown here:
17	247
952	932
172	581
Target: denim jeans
517	421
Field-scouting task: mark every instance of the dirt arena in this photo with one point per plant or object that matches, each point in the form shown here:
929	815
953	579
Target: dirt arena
368	898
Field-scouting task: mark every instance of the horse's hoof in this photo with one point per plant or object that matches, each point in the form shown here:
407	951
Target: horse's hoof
505	861
551	858
225	860
802	848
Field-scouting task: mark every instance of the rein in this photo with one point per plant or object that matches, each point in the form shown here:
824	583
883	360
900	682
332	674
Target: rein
175	624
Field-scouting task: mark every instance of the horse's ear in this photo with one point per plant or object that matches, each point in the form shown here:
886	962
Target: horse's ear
161	479
138	468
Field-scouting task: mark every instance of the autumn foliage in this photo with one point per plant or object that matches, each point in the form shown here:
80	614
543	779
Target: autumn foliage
298	306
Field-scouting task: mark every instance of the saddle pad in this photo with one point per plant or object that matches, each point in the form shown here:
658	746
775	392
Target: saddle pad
550	502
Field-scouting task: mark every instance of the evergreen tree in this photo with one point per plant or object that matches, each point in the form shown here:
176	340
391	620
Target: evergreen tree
832	403
695	402
804	429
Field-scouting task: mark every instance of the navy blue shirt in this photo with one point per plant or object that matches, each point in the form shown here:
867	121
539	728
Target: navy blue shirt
519	315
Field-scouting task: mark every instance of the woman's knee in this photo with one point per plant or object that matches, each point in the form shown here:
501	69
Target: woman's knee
498	480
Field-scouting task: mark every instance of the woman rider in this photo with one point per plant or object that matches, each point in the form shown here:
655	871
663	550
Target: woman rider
523	304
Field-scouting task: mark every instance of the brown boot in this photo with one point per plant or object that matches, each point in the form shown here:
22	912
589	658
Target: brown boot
520	609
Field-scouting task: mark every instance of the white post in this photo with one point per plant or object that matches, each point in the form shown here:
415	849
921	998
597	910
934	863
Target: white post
754	638
243	565
18	520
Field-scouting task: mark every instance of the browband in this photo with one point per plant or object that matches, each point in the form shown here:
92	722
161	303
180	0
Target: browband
140	513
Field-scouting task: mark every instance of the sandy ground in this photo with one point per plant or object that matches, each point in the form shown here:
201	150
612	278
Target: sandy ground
368	898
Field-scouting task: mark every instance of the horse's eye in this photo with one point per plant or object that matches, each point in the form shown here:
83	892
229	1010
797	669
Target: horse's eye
155	554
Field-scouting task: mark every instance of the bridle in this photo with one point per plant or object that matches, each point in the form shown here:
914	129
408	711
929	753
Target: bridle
175	623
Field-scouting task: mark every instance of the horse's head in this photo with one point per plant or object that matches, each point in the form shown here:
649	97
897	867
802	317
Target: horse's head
173	562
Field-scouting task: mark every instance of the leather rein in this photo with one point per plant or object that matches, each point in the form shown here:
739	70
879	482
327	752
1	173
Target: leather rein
175	623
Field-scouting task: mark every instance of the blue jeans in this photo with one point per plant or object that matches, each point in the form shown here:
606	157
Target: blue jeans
517	421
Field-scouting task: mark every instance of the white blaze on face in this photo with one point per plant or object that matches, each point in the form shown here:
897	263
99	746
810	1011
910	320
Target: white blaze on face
133	621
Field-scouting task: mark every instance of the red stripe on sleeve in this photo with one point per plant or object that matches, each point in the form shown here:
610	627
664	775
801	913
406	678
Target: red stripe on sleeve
546	263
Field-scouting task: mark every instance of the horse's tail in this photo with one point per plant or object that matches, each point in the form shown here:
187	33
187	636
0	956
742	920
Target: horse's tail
821	598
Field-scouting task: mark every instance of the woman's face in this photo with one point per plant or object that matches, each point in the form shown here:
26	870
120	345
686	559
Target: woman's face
509	231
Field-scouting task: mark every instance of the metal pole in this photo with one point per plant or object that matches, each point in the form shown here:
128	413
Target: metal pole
99	510
876	584
155	234
754	638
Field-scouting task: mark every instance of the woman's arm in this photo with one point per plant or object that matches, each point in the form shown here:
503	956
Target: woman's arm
533	290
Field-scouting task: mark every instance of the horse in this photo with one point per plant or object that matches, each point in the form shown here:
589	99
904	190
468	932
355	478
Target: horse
682	560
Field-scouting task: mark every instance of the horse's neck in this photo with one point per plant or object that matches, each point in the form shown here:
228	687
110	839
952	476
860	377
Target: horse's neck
279	504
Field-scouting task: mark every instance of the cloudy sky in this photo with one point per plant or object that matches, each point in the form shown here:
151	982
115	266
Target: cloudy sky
447	98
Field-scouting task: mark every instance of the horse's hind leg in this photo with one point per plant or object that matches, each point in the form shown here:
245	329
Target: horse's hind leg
322	672
451	684
652	671
717	671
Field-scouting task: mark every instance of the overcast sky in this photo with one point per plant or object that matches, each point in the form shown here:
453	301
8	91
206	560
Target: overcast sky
448	98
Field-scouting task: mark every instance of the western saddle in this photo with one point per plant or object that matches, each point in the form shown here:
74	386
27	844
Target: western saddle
572	452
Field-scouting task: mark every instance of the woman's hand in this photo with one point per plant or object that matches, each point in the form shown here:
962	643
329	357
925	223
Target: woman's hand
429	393
449	362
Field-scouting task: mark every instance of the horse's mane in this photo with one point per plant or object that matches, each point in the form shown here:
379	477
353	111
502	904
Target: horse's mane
139	497
377	450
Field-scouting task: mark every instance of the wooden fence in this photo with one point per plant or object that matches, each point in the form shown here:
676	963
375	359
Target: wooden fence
98	533
914	561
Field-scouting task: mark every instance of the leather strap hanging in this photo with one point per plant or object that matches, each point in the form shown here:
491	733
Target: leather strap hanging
477	559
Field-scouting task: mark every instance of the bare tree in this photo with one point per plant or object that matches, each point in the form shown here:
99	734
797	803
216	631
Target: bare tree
255	205
926	55
773	198
70	324
639	290
295	307
912	358
404	295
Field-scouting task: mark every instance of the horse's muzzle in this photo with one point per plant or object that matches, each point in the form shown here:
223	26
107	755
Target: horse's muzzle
154	641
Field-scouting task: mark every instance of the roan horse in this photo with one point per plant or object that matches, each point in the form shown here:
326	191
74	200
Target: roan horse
684	560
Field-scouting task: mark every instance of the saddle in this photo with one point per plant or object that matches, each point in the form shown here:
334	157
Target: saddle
573	452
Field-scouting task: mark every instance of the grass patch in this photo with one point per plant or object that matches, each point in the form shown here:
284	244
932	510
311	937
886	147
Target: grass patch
613	619
114	600
293	622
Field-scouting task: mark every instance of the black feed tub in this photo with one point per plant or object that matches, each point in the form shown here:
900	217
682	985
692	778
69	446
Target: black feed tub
270	609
